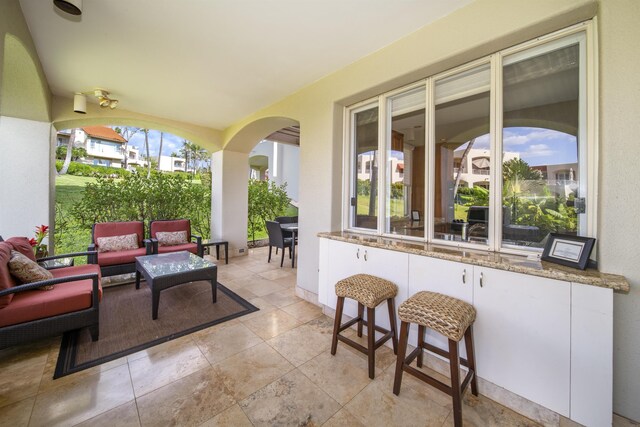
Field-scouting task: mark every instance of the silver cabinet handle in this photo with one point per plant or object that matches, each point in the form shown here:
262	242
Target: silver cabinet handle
358	253
365	255
481	279
464	276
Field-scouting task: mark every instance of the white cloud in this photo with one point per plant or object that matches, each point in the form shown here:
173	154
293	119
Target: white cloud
538	150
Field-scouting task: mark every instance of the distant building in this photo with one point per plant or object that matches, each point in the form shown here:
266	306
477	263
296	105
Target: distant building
173	164
104	146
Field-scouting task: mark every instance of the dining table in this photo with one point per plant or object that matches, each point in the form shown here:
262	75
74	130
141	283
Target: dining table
292	228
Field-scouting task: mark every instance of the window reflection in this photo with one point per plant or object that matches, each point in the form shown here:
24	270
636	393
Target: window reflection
462	156
406	164
540	168
364	201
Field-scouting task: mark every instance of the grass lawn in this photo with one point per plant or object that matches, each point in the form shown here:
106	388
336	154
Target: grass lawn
69	191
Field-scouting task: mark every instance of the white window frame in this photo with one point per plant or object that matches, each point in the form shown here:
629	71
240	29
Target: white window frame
587	139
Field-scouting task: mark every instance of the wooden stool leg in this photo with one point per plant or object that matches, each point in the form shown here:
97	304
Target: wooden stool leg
454	363
361	316
336	325
402	350
392	323
471	358
371	338
420	345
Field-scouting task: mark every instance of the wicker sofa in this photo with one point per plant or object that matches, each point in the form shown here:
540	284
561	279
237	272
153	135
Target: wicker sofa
123	261
28	313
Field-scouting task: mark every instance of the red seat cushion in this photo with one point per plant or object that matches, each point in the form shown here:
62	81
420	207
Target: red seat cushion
172	225
109	229
64	298
191	247
22	245
80	270
6	279
122	257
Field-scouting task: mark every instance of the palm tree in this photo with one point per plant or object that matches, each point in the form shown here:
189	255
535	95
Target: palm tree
160	149
126	133
67	159
146	146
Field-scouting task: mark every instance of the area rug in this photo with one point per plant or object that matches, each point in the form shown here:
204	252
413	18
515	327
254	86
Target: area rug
126	325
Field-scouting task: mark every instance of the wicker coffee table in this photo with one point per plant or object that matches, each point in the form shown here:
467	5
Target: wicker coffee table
165	271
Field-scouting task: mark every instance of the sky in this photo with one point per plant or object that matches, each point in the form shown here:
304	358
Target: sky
170	143
536	146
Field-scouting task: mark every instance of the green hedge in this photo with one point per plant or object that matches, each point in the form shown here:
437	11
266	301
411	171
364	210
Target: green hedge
82	169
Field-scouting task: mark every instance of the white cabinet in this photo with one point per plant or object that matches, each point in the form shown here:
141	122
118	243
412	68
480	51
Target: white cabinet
522	335
347	259
446	277
591	355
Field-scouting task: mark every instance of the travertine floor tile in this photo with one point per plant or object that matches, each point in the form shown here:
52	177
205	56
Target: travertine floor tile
619	421
21	369
341	376
252	369
261	287
123	416
479	412
271	324
300	344
343	418
226	341
229	417
191	400
303	311
291	400
161	368
17	414
275	274
74	403
282	298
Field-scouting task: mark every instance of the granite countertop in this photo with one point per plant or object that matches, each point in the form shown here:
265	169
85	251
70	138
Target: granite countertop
515	263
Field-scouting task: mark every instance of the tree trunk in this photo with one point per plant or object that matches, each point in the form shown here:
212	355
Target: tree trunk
146	146
67	159
160	149
462	163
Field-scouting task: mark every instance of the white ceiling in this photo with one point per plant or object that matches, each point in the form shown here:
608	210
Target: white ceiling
212	62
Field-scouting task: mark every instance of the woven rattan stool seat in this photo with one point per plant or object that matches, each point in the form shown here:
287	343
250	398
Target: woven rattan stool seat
366	289
449	316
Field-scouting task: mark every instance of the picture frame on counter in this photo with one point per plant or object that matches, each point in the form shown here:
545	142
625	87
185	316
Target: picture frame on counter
572	251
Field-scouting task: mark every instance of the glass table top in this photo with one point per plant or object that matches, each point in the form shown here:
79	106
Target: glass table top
172	263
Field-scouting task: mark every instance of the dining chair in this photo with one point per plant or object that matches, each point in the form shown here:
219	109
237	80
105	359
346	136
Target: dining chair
277	239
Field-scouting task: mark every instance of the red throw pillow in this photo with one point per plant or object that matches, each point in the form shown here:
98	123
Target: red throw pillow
6	280
22	245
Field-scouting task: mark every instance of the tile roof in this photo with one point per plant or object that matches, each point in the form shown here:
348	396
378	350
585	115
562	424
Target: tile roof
103	132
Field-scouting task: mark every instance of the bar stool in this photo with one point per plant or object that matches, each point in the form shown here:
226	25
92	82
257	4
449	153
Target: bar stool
368	291
452	318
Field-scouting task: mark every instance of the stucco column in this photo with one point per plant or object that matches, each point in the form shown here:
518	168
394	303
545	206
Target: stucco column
229	196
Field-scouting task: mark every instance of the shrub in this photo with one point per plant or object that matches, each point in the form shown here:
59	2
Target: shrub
266	201
82	169
138	198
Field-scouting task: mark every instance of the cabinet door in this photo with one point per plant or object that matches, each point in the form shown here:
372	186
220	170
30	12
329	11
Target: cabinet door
392	266
522	335
345	259
591	355
323	271
445	277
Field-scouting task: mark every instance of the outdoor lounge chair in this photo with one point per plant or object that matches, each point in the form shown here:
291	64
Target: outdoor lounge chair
122	261
191	243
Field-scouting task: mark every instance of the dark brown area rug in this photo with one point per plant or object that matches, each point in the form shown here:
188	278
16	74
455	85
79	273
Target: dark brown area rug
126	325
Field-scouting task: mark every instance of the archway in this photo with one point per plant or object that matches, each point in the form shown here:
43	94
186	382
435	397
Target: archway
230	172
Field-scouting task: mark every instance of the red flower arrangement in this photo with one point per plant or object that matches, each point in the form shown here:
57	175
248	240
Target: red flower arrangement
42	231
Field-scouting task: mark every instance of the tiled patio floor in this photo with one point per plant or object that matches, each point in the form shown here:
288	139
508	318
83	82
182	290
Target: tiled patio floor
272	367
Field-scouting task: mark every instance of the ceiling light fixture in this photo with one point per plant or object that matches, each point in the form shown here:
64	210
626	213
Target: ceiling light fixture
72	7
104	100
80	103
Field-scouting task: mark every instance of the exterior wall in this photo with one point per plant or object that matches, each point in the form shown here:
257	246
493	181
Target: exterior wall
284	165
168	164
619	204
441	46
24	176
